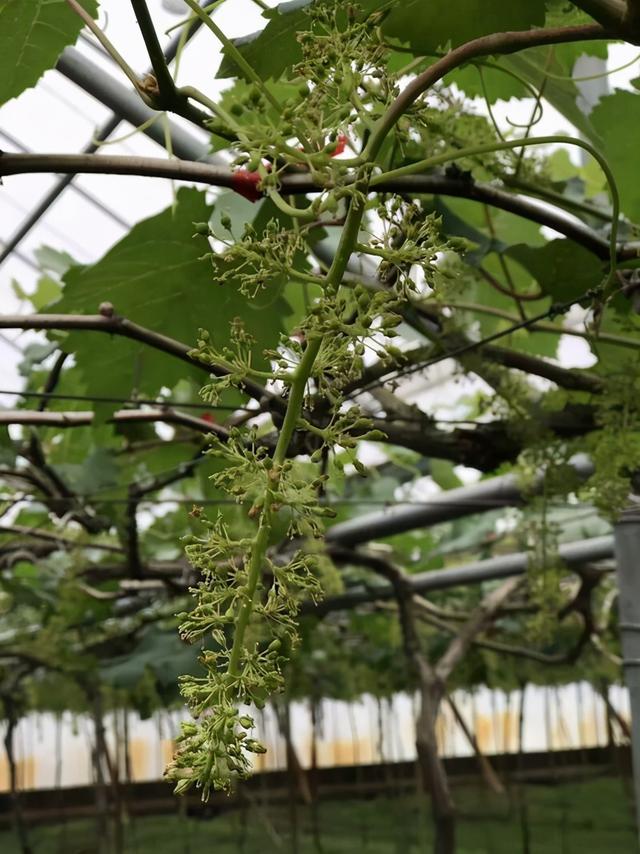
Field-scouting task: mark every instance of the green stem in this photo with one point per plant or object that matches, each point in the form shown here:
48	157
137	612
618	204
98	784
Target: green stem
487	148
503	264
216	109
166	85
103	143
365	249
188	22
409	67
107	45
235	54
495	66
290	210
487	102
309	278
537	107
295	404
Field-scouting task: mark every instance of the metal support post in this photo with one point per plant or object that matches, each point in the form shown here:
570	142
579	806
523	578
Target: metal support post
627	550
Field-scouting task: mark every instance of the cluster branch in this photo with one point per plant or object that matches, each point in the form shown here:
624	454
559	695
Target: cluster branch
570	379
166	571
480	618
486	768
432	615
34	454
581	604
136	493
474	624
161	481
55	486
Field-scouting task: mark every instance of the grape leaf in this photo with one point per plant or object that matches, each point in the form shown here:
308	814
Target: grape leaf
97	472
7	449
615	117
156	277
160	651
563	269
427	27
424	27
33	34
275	48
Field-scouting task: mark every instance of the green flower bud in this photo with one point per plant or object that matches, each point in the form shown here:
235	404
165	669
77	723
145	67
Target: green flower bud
359	467
391	319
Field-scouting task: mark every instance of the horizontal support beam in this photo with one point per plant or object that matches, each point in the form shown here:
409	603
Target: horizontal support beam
504	566
502	491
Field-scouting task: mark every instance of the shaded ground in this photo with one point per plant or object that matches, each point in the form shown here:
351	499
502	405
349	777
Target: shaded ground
592	817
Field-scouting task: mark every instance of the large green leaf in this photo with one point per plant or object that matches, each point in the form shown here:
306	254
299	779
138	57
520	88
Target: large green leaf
424	27
33	34
563	269
490	82
274	48
156	277
7	449
161	652
617	119
97	472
